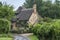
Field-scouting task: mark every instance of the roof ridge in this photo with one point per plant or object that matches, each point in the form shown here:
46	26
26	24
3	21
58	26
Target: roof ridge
27	9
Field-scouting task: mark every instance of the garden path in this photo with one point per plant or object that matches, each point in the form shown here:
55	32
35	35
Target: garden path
22	36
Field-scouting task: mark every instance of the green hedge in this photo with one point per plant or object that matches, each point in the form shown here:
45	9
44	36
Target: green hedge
6	35
4	26
46	30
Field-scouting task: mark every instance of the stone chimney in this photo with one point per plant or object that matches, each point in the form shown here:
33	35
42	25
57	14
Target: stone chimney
34	6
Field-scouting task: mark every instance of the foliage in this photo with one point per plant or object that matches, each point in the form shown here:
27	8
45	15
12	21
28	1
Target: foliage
47	30
22	27
6	11
4	25
6	38
21	30
45	19
56	26
6	35
45	8
33	37
6	14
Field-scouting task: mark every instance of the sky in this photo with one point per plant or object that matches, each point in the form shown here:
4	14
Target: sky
15	3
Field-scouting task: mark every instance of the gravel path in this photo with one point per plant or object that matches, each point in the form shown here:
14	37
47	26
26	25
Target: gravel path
20	38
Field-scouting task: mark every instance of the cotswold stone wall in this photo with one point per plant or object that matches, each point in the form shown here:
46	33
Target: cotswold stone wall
33	19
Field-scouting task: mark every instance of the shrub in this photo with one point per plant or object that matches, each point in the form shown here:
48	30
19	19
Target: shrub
47	30
47	19
56	26
4	26
6	35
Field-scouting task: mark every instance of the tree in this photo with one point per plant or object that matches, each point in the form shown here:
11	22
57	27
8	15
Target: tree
0	3
57	2
28	3
45	8
6	11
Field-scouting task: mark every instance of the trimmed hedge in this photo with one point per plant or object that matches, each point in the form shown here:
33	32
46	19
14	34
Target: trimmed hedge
4	26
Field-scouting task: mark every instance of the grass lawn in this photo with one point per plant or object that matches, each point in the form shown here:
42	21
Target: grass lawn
33	37
3	38
6	37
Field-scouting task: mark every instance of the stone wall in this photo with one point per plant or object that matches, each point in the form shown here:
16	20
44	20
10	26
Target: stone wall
33	19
